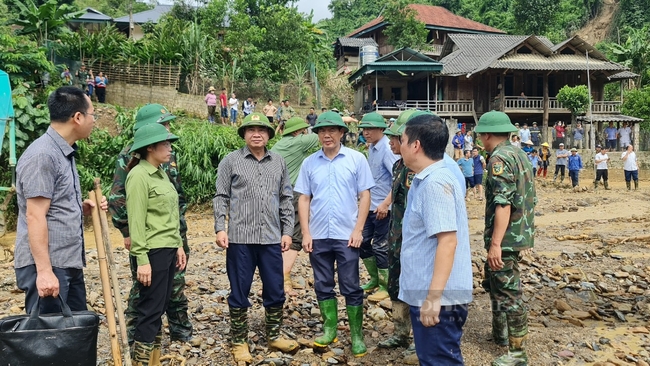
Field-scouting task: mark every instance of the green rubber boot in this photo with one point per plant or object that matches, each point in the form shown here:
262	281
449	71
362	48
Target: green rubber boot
371	267
607	185
628	185
402	325
499	328
355	317
329	312
382	293
636	184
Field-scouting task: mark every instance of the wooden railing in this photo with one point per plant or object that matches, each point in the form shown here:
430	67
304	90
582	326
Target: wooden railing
447	107
524	103
537	103
606	107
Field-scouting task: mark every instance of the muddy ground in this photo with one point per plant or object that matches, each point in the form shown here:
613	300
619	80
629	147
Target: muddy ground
586	285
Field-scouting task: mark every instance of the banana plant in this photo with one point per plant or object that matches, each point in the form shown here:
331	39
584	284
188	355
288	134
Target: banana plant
41	21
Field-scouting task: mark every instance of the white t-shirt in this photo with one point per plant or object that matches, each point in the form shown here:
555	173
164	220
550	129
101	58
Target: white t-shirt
624	133
602	164
233	103
630	163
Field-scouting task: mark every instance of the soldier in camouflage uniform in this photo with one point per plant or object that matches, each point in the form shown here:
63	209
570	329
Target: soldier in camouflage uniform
402	177
180	327
509	229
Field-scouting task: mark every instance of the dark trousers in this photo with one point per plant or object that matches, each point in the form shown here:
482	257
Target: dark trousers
325	253
241	261
72	289
155	298
440	345
375	239
101	95
602	173
573	174
631	175
561	169
611	144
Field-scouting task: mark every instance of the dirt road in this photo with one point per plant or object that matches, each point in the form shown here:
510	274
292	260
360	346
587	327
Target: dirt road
587	288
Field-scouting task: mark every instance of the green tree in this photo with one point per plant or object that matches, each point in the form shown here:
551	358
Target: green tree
637	104
41	22
403	29
575	99
634	53
348	15
534	16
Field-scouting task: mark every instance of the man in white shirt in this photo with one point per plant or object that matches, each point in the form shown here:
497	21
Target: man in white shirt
630	167
624	134
233	102
601	160
524	133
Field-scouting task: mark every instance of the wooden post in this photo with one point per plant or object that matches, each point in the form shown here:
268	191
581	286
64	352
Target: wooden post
106	285
545	115
114	280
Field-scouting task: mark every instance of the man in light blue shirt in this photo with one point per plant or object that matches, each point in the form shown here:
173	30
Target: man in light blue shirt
331	182
524	133
374	247
466	165
611	133
436	277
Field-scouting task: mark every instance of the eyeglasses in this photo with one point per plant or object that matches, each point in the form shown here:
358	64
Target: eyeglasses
89	114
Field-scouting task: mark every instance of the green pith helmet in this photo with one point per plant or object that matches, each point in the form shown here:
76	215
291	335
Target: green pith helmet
373	120
401	129
256	119
401	120
151	134
329	119
495	122
294	124
152	113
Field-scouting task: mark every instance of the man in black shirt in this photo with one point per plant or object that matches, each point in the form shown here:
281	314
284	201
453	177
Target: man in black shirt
311	118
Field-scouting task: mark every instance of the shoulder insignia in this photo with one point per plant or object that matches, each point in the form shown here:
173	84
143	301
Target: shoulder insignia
497	168
173	164
409	179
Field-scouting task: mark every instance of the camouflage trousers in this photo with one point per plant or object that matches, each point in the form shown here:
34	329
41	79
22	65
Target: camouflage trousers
394	267
180	327
505	290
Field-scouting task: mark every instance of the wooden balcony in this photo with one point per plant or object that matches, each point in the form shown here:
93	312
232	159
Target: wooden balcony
443	108
536	105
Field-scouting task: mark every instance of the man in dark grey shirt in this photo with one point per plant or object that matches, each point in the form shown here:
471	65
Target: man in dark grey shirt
50	253
254	190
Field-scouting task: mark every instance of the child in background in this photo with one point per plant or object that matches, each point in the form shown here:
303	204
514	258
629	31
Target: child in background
534	160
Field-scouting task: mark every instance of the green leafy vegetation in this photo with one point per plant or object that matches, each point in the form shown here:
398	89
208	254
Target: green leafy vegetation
575	99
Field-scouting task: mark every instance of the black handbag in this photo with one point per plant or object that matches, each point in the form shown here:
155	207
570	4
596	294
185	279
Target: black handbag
67	338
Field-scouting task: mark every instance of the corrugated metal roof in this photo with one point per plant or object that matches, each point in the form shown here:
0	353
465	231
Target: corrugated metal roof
471	53
581	45
553	62
356	42
623	75
465	53
93	15
547	42
152	15
609	118
405	54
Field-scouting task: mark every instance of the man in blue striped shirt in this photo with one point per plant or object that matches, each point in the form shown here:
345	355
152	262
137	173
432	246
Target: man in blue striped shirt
436	277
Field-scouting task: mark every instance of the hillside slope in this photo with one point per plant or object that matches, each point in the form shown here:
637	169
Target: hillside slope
597	29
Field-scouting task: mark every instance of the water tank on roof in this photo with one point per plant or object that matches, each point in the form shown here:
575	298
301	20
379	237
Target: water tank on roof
369	54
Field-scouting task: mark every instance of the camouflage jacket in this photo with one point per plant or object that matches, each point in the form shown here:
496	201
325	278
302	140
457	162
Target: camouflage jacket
402	178
117	197
510	182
